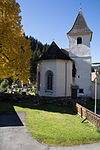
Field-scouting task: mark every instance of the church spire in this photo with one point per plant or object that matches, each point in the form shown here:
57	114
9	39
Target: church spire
80	26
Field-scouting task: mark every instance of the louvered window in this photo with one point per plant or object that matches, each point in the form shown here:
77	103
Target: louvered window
79	40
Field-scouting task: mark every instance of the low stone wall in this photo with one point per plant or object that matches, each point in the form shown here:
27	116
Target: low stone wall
86	113
6	97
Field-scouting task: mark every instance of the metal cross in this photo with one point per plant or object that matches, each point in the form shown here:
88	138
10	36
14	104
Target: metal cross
81	6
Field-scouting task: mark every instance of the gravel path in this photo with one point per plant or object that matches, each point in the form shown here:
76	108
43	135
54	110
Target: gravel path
15	136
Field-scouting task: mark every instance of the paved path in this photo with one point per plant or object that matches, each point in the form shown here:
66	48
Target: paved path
15	136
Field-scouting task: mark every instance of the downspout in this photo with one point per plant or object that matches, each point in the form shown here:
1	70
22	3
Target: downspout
65	78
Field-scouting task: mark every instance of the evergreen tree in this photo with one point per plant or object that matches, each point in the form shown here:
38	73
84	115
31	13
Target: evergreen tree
15	50
37	48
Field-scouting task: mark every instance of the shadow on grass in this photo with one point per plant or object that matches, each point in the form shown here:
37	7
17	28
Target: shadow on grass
48	107
32	102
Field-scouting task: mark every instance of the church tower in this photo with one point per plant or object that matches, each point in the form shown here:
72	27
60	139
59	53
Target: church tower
80	37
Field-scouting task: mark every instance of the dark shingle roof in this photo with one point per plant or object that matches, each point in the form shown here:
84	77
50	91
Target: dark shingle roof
80	26
54	52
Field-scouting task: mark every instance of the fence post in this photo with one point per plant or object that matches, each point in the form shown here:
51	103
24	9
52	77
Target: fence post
81	113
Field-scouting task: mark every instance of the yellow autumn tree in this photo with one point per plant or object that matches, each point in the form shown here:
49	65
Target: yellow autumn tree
15	51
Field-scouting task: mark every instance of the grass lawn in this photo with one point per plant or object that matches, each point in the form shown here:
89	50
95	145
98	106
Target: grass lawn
56	125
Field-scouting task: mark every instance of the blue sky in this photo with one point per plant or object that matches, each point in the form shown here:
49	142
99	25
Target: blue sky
52	19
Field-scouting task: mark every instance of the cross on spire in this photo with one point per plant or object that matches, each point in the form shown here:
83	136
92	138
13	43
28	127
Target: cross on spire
80	5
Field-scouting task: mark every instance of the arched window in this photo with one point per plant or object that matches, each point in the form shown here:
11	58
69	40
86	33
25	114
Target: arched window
74	71
79	40
49	80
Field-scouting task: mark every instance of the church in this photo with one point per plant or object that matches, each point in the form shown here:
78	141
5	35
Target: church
67	73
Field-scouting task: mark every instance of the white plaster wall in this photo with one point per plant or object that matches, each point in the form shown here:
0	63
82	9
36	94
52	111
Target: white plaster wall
93	90
80	53
63	78
83	75
44	67
69	78
58	68
60	78
80	50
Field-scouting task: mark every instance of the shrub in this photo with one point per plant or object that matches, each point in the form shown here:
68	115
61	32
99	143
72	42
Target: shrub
4	84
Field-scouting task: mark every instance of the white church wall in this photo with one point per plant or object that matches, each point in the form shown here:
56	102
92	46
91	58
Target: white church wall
61	81
60	78
63	78
44	67
80	50
80	53
69	78
83	75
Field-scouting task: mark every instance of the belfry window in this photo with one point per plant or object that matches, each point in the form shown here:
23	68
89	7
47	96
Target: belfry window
79	40
49	79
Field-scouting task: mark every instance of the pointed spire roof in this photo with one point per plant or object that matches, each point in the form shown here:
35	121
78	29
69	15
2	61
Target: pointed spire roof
80	26
54	52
